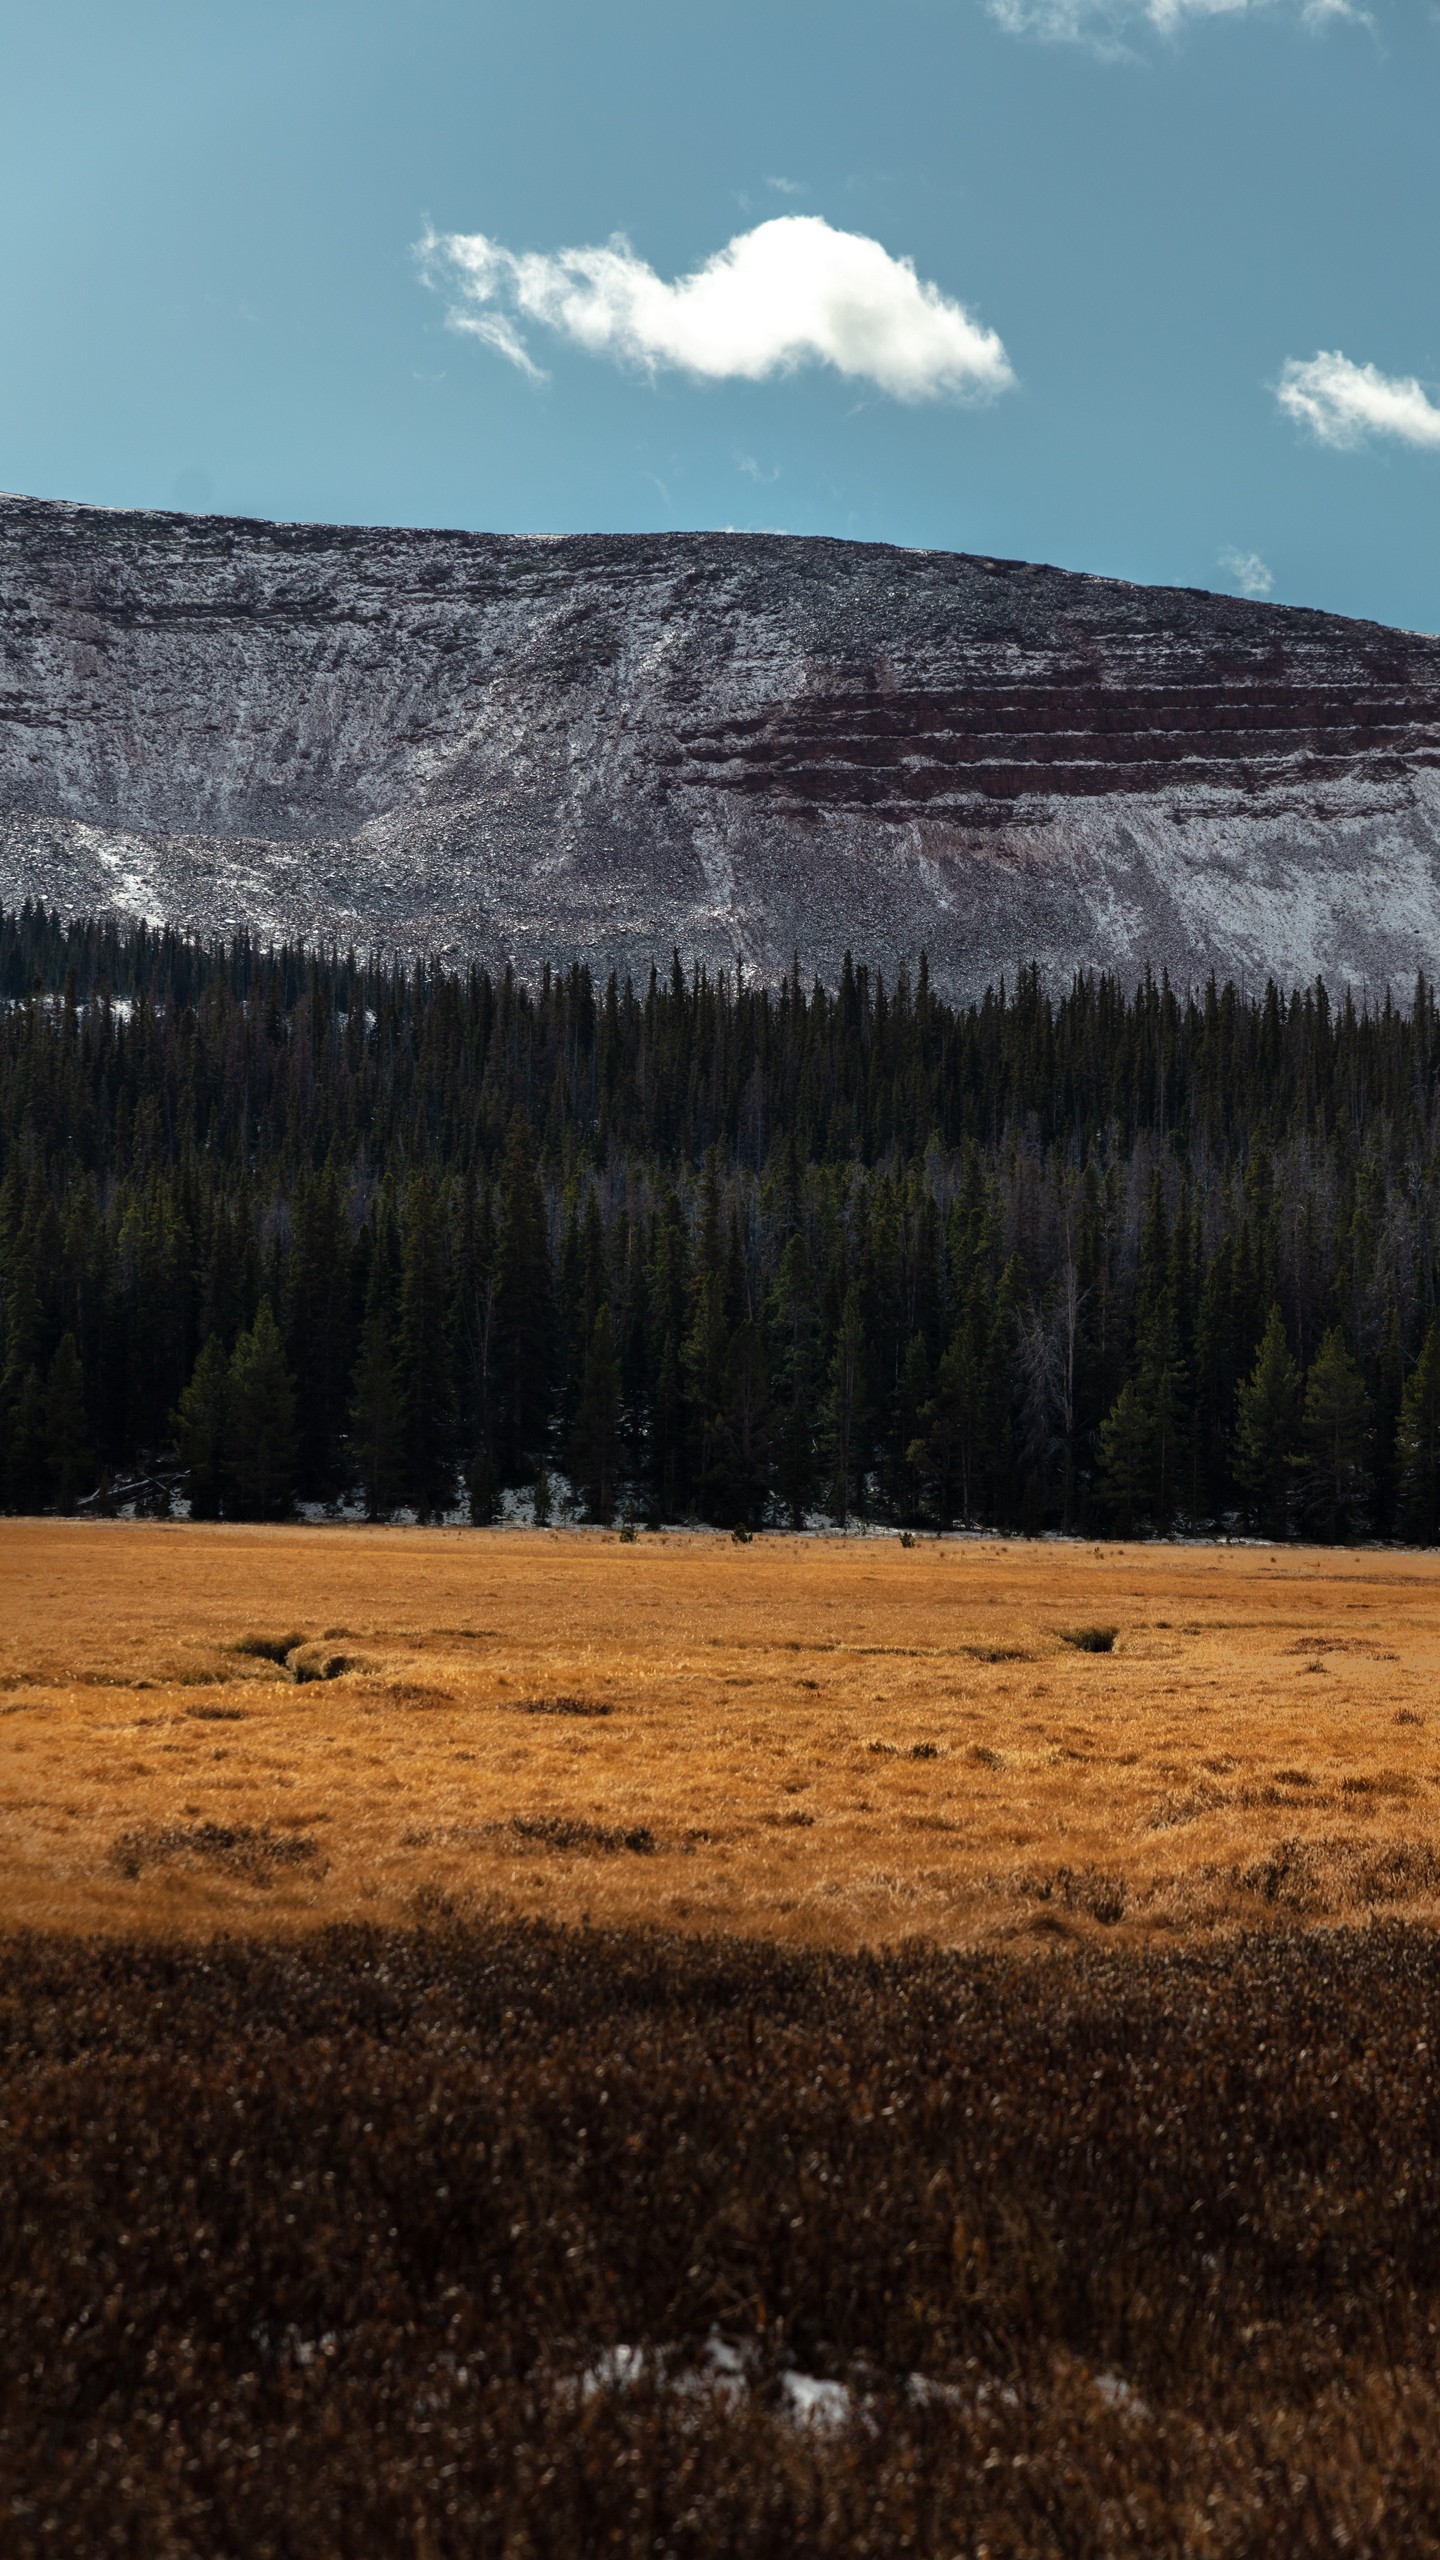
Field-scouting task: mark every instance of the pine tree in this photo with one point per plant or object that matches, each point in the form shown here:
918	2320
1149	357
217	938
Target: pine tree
667	1283
668	1423
905	1474
24	1470
1163	1388
951	1421
704	1358
377	1422
1216	1386
1336	1437
1124	1473
226	1283
595	1437
1417	1445
1267	1428
1387	1381
998	1449
573	1329
524	1322
482	1489
22	1442
263	1441
201	1422
745	1408
792	1332
844	1411
319	1342
423	1356
377	1432
472	1311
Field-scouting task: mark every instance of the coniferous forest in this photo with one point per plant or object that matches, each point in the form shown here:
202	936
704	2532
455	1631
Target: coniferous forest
279	1226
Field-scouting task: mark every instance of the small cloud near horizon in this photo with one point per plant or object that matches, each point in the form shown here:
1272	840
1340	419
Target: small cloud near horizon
789	293
1105	24
1248	571
1343	403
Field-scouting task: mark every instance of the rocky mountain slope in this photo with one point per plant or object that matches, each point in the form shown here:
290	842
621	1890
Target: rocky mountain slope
734	745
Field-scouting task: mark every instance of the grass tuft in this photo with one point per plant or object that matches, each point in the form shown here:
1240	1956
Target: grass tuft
563	1706
562	1831
241	1847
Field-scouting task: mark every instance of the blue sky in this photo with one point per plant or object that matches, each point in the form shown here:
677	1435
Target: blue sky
1124	220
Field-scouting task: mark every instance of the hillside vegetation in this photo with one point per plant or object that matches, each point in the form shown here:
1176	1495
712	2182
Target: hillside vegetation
280	1225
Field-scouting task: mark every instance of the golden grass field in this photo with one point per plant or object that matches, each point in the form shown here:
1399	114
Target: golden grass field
835	1741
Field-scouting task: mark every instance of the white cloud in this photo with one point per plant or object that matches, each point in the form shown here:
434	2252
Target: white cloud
1248	571
1105	23
788	293
1342	403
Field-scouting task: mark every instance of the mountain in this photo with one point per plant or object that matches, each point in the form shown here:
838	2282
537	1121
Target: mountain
738	745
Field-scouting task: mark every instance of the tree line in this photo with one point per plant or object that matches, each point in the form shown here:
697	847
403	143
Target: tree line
285	1224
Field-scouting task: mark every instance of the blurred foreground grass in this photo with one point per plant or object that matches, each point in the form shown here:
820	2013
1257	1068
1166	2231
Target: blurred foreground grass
531	2241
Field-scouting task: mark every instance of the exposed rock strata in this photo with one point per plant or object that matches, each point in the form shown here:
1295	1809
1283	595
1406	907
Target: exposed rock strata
737	745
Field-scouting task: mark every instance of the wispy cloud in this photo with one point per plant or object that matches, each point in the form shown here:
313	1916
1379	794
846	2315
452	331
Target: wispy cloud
788	186
1248	572
789	293
1106	24
1343	403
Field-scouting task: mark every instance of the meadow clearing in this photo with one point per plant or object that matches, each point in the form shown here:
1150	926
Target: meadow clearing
728	2221
835	1742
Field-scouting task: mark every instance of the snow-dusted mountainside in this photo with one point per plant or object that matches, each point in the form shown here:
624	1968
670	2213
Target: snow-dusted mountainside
733	745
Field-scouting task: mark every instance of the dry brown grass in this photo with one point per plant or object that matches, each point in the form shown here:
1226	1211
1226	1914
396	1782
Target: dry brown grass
834	1742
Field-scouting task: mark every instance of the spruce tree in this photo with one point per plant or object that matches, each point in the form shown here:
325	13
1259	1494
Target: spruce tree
471	1327
262	1437
22	1442
201	1423
704	1358
1267	1429
1336	1438
423	1355
524	1321
667	1282
998	1440
951	1420
905	1472
319	1341
745	1408
1124	1474
792	1335
595	1436
843	1421
1418	1445
377	1433
668	1433
572	1326
377	1419
482	1489
1163	1389
1216	1386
